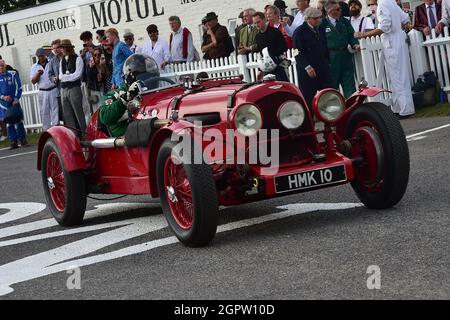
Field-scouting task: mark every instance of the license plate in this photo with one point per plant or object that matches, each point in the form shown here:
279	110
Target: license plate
310	179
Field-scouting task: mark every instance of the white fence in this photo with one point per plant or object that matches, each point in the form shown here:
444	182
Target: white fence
431	54
30	107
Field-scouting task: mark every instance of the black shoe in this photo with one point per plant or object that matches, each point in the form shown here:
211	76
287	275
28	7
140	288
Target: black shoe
405	117
24	143
13	146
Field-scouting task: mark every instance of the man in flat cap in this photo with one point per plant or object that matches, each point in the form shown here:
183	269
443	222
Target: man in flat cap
128	38
48	91
313	56
217	42
340	35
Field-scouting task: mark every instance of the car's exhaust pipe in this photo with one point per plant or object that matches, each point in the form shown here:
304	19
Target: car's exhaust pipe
118	142
104	143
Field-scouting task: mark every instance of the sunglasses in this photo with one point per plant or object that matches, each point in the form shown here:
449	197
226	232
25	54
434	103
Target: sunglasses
129	39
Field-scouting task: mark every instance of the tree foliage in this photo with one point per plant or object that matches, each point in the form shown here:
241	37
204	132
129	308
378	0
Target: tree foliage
13	5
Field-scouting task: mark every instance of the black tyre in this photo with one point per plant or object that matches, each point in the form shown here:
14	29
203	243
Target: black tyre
379	142
188	197
64	191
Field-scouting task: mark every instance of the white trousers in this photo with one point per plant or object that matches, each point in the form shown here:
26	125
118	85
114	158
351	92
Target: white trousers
48	105
398	72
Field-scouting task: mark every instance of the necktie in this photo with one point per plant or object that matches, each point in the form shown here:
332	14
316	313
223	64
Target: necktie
316	32
432	17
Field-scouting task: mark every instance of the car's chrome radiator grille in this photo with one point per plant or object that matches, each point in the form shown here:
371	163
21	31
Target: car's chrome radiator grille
294	147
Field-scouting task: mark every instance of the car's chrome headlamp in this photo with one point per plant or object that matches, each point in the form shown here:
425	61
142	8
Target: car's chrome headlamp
291	115
247	119
329	105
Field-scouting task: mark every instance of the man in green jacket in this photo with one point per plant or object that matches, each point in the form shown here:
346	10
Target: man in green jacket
247	38
340	35
113	113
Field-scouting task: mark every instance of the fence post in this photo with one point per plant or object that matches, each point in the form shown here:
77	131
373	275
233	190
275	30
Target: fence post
418	53
242	62
367	62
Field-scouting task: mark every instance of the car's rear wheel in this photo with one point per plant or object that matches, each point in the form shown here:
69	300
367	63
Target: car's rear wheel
381	152
188	197
65	192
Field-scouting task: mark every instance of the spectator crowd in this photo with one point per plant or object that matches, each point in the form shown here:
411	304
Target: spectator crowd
72	85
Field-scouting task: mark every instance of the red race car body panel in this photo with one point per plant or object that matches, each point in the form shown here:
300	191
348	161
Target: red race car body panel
123	170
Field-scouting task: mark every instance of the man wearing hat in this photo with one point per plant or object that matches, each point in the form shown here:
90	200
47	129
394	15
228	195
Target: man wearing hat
313	57
237	31
157	48
70	74
53	72
48	51
48	92
217	42
280	4
128	37
340	35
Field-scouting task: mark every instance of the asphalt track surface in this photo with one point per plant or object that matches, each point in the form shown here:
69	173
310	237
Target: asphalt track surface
317	245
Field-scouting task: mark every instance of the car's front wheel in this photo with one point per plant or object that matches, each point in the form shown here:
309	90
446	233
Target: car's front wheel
381	152
188	197
64	191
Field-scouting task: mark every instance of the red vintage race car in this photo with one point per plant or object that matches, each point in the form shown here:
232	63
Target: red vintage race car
224	121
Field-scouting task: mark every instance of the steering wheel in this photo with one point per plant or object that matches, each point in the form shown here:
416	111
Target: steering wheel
157	79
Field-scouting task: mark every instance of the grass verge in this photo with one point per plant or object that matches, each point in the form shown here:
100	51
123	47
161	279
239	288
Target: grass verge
32	139
439	110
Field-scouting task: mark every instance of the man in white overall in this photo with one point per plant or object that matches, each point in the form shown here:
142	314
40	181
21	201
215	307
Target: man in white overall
391	18
48	93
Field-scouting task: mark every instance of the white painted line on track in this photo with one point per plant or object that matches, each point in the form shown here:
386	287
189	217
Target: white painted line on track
62	258
428	131
416	138
17	155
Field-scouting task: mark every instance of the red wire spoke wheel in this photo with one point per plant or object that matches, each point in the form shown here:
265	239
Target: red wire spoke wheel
179	193
56	182
188	197
65	192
